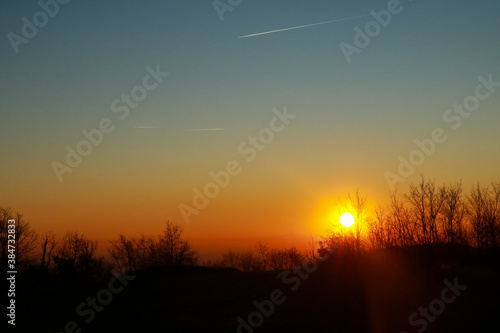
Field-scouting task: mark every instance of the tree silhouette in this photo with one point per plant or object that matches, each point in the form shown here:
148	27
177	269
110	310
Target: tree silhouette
426	215
425	204
78	251
48	243
483	209
453	214
25	238
141	252
358	202
124	252
230	259
172	249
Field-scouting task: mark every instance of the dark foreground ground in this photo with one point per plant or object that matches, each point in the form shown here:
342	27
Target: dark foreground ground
377	292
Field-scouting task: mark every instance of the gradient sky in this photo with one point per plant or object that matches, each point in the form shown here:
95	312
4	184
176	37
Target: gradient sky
353	120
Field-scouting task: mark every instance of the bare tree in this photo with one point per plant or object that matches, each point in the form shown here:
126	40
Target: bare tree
278	260
493	214
249	262
124	253
146	252
25	238
295	258
435	199
230	259
78	251
141	252
358	202
425	204
379	235
453	214
48	243
312	250
172	249
484	213
284	259
476	206
416	198
401	224
262	252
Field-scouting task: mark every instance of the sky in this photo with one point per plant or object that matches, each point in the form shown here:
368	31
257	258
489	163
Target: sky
348	124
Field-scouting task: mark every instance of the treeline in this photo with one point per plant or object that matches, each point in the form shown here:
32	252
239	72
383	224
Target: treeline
427	214
262	258
168	249
73	256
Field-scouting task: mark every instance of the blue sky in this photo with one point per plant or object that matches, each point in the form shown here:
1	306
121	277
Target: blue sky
353	119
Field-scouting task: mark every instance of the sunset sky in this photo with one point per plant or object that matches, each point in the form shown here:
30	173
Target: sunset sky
352	120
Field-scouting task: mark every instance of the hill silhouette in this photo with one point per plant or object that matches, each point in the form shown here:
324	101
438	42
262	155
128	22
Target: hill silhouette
373	292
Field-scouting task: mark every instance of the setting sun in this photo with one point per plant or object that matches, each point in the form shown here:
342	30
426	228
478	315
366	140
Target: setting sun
347	220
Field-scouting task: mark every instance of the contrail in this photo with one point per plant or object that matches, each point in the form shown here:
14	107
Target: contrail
303	26
189	129
206	129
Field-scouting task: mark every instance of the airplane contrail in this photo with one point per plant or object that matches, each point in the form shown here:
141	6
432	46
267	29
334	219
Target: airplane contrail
303	26
189	129
206	129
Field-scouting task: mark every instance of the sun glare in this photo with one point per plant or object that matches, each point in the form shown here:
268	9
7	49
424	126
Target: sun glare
347	220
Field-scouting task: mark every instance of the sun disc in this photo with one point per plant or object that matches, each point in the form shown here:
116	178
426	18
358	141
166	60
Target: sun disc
347	220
